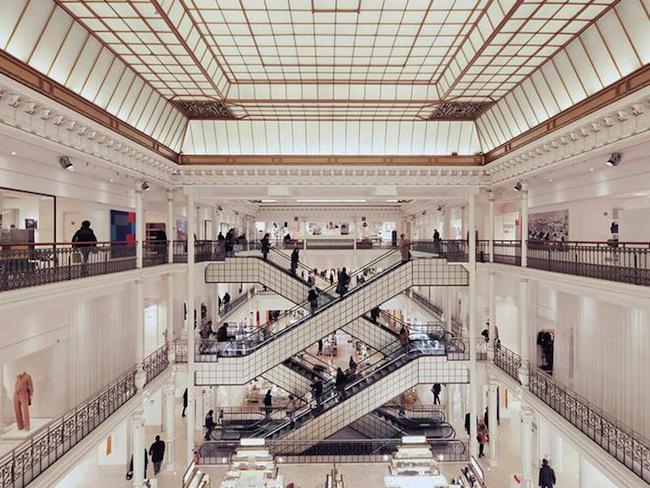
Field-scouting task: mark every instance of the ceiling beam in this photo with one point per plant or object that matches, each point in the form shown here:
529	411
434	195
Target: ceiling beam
267	160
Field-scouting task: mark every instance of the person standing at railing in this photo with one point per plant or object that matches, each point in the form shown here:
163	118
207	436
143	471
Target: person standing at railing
436	241
295	257
266	246
404	248
209	424
84	240
436	389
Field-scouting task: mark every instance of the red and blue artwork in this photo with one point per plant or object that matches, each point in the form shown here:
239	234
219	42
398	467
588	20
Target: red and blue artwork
122	226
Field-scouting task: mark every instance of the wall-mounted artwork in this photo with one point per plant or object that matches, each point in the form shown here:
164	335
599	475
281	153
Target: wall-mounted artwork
181	229
122	226
549	226
31	224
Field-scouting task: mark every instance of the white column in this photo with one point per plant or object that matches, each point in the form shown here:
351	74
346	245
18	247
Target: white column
139	331
170	307
2	396
137	447
214	217
450	307
492	420
170	403
557	451
492	313
139	227
473	327
447	224
527	447
170	226
524	228
524	339
491	226
248	230
449	399
191	218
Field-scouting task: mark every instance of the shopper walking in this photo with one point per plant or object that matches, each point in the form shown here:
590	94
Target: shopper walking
340	382
84	240
404	338
483	438
266	246
226	302
318	391
157	453
404	248
295	257
291	409
546	475
435	389
268	404
312	298
209	424
320	347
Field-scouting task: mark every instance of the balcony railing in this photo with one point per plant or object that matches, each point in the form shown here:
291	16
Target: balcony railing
155	253
156	363
507	252
329	451
620	441
25	265
48	444
507	360
625	262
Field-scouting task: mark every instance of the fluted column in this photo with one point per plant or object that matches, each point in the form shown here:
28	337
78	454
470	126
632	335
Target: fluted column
137	447
492	420
524	228
524	330
473	327
491	226
191	219
492	314
170	448
139	229
526	447
170	226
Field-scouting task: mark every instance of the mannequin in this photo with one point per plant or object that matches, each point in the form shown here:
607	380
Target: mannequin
23	399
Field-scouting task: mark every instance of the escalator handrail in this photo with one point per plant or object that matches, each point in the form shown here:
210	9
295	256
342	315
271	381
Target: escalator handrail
304	306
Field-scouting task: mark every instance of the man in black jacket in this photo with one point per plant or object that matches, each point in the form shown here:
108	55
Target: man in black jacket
84	240
157	453
546	475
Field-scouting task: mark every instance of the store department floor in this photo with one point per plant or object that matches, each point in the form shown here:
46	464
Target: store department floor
88	473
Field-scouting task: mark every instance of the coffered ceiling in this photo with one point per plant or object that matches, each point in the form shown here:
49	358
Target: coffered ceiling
505	65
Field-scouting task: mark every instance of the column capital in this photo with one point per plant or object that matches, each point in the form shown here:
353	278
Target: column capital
493	385
527	414
524	280
170	195
491	196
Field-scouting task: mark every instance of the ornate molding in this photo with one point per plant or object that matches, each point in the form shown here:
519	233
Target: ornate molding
617	122
267	160
28	76
459	110
37	115
204	109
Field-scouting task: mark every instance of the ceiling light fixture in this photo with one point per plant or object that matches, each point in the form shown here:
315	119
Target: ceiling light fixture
519	186
614	160
65	163
144	186
13	153
591	169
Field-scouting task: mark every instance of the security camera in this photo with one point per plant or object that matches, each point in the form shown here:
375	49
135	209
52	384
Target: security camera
519	186
65	163
614	160
144	186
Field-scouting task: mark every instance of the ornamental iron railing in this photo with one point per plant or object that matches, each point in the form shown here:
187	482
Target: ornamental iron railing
507	360
507	252
47	445
620	441
155	253
25	265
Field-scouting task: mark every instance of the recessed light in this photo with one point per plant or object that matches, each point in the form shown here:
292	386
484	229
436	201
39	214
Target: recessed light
591	169
111	180
550	180
13	153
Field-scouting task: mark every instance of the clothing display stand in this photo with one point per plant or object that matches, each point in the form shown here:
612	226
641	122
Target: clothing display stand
252	466
413	466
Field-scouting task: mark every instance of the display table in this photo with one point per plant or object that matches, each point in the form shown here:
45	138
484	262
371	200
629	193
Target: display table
252	467
413	465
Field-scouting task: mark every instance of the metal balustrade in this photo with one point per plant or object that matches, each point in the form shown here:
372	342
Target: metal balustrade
509	361
25	265
333	451
625	262
453	250
331	244
620	441
155	253
47	445
507	252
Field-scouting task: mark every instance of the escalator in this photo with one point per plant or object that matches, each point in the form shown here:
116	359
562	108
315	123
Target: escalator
369	390
253	354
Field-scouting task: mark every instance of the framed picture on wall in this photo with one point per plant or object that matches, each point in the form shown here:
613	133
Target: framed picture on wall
31	224
122	226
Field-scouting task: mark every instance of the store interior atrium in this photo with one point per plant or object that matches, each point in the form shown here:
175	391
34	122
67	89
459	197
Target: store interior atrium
324	243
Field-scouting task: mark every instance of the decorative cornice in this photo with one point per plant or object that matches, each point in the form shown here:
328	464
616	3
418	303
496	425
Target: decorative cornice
633	82
618	121
324	175
40	116
28	76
